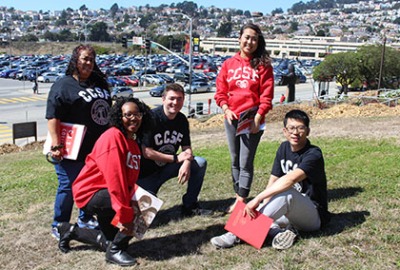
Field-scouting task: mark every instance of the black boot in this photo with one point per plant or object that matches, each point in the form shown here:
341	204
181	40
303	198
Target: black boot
70	232
66	235
116	251
91	236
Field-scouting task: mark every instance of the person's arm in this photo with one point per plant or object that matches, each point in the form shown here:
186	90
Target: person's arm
275	186
184	170
150	153
53	126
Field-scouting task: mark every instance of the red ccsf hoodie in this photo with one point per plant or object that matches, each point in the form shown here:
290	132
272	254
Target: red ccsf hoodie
241	87
114	164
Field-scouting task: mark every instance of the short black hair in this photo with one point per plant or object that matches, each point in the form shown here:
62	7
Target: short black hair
297	115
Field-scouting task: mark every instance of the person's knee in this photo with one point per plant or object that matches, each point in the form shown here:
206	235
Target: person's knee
201	162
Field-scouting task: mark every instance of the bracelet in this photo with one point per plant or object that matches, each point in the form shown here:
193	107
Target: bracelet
57	147
175	158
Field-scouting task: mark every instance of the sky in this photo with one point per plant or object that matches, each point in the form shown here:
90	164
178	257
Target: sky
264	6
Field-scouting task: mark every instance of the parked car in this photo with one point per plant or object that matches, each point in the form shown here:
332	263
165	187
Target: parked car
157	91
167	78
181	77
48	77
198	86
152	79
121	91
130	80
210	68
114	81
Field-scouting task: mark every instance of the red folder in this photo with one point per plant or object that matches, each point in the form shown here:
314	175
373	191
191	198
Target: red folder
251	230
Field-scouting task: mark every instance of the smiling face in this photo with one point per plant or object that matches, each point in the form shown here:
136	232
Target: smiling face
85	64
248	42
172	103
131	118
296	133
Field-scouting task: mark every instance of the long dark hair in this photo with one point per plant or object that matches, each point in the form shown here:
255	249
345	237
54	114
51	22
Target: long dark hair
96	78
115	116
261	55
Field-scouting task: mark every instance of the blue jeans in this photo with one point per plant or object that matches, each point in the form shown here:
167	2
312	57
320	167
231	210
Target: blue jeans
242	149
67	171
153	182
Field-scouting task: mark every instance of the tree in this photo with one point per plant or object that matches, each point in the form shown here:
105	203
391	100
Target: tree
342	66
247	14
369	62
29	38
114	9
276	11
224	30
98	32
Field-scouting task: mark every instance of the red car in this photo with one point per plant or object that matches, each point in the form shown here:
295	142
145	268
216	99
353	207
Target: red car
130	80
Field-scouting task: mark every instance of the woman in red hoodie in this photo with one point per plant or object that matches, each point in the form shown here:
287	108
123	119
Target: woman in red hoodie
245	83
105	185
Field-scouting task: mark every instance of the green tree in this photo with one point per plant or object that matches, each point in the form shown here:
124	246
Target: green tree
98	32
114	9
370	60
342	66
29	38
276	11
225	29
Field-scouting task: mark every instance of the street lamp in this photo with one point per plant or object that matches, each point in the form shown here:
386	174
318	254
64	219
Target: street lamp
190	58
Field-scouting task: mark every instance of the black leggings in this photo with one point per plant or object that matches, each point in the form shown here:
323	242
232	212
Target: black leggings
100	205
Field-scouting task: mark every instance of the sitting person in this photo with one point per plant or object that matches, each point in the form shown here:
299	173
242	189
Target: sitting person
160	161
105	185
296	194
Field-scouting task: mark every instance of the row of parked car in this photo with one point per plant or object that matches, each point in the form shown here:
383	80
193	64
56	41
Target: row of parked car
124	72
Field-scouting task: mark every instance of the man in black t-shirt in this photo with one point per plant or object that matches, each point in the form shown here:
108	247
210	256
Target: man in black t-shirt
296	194
160	161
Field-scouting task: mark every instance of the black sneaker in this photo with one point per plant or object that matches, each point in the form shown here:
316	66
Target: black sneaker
196	210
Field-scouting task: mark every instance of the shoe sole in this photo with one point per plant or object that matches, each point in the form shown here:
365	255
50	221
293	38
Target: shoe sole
284	240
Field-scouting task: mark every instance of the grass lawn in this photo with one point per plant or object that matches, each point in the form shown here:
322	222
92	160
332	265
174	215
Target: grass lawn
364	190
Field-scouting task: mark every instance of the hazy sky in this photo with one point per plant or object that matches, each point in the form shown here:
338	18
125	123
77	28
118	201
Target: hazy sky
265	6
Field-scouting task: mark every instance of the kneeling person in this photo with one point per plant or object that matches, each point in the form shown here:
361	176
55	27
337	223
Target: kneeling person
296	194
160	161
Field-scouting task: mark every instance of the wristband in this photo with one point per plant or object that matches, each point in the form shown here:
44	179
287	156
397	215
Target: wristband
57	147
175	158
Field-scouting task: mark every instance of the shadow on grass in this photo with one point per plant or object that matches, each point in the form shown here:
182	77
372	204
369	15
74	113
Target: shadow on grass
174	213
341	193
339	223
174	245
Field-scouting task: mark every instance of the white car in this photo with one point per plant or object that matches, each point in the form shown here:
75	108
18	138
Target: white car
48	77
152	79
198	86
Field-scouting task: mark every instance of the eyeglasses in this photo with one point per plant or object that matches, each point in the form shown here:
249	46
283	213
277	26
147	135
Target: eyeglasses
132	116
299	129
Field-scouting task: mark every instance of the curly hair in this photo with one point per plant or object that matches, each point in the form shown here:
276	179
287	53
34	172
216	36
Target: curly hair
97	77
115	116
261	55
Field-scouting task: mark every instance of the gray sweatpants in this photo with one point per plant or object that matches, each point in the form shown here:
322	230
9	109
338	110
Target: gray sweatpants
242	149
292	208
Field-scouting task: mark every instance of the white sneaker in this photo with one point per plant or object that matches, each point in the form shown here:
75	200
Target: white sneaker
284	240
226	240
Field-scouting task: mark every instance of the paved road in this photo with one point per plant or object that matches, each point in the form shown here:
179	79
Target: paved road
18	104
